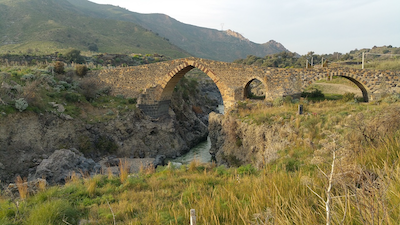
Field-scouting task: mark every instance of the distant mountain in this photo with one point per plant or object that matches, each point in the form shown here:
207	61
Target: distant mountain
198	41
51	25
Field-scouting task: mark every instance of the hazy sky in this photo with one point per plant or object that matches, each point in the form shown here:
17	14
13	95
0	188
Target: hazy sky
322	26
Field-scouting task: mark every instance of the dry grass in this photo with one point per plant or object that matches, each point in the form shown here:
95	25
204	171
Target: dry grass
73	179
147	169
22	186
123	167
42	183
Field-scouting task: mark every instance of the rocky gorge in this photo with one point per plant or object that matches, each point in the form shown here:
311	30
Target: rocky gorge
29	140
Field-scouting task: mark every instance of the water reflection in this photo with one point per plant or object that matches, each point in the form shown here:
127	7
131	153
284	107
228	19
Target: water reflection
200	152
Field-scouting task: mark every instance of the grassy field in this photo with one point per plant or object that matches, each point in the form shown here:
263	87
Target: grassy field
364	178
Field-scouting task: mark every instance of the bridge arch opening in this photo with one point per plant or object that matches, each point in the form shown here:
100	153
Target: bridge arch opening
185	76
339	85
255	89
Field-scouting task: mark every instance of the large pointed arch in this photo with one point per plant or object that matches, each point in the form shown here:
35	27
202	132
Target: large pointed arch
174	76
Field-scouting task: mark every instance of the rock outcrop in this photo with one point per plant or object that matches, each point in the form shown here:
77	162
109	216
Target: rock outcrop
236	143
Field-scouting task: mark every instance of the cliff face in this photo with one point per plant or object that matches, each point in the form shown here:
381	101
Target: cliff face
27	138
236	143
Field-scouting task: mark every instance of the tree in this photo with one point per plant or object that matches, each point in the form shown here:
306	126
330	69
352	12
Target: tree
93	47
74	56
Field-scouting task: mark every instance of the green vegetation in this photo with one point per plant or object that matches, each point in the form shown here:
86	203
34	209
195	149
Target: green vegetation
39	89
293	188
46	26
380	58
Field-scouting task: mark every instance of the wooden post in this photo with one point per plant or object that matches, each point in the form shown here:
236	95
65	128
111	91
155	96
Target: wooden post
192	217
363	60
300	111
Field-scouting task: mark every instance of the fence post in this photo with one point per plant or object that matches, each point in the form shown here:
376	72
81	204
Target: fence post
192	217
300	110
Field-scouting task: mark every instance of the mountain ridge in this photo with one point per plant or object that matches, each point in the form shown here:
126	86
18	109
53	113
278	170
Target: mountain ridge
50	25
199	41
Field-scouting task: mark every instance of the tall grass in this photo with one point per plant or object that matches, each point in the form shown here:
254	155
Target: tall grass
289	190
123	167
22	186
220	196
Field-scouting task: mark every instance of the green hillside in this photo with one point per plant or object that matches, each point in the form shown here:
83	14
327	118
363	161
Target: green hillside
200	42
52	25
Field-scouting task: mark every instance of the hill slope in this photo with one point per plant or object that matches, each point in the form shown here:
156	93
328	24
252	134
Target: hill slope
51	25
200	42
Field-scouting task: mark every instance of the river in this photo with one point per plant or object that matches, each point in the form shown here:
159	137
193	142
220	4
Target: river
200	152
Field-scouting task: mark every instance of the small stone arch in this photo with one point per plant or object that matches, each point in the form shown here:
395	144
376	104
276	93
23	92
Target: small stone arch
360	82
246	87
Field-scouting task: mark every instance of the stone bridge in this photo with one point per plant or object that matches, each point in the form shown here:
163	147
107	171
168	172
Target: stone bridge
153	84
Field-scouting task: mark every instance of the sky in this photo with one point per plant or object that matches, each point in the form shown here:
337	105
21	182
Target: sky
321	26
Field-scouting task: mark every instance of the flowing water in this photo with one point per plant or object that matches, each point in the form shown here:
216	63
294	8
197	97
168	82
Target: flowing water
200	152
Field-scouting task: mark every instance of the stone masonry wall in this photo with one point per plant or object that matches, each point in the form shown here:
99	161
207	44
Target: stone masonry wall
154	83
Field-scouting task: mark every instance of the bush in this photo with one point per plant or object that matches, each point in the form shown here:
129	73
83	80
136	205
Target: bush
81	70
28	77
71	97
247	169
348	97
59	67
314	94
132	100
74	56
288	99
89	88
278	101
21	104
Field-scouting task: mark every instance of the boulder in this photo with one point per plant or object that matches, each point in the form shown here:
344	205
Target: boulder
159	160
62	163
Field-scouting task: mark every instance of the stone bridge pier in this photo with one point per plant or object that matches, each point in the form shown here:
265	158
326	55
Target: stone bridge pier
153	84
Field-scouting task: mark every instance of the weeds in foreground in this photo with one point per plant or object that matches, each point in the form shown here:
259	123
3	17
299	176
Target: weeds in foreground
123	167
22	186
220	196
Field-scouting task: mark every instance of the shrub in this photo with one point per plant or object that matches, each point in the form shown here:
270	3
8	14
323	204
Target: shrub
59	67
247	169
71	97
288	99
89	88
348	97
32	95
27	77
21	104
132	100
278	101
81	70
74	56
